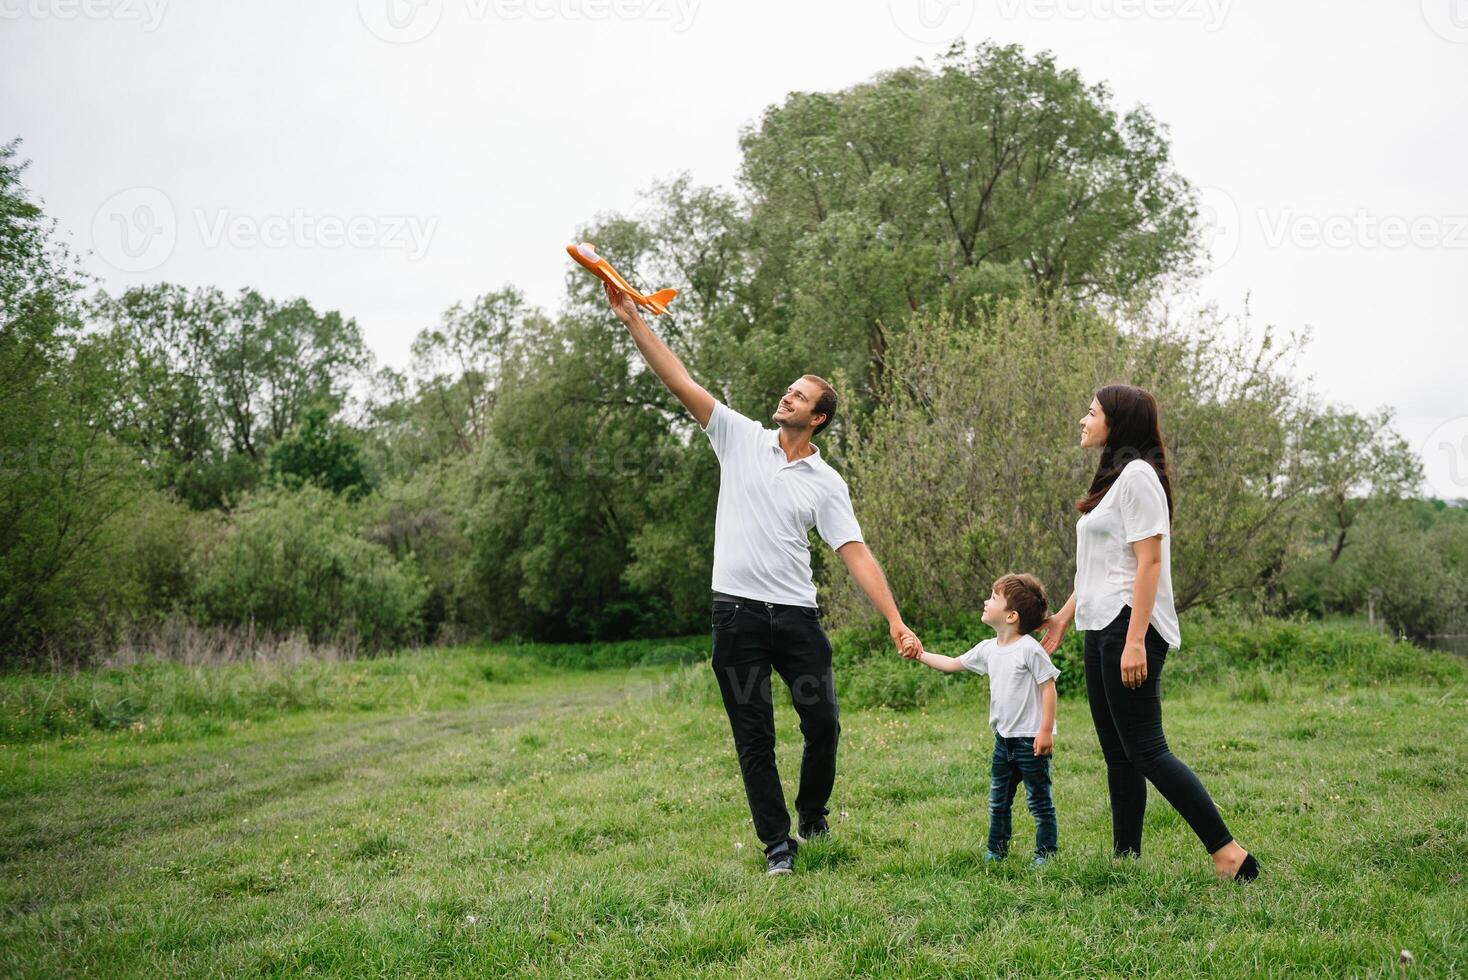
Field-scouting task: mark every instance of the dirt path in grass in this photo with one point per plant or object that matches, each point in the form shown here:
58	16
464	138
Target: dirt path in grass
64	807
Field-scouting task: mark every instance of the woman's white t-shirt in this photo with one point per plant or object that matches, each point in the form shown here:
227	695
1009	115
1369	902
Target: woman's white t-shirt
1134	508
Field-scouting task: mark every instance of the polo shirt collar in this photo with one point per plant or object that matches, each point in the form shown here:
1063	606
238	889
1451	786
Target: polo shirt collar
814	459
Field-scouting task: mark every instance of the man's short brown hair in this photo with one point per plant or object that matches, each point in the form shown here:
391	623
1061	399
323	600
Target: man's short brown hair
826	403
1025	595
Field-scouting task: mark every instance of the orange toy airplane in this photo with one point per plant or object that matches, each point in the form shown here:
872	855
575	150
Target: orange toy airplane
585	255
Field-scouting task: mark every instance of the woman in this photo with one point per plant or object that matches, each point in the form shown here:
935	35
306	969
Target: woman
1123	600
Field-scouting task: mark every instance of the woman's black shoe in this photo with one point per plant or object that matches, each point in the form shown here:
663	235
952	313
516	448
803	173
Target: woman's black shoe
1248	871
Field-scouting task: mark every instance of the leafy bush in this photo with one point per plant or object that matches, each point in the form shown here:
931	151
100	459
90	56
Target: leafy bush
626	653
424	515
1349	654
869	672
291	561
1404	562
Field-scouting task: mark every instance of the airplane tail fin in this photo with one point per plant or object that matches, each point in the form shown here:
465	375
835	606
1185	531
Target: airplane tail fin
660	299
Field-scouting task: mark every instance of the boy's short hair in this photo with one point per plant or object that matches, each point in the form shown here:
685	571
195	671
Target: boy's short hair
1025	595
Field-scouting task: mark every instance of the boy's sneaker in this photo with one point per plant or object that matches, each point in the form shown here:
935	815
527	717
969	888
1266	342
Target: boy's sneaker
1040	861
781	862
991	856
815	828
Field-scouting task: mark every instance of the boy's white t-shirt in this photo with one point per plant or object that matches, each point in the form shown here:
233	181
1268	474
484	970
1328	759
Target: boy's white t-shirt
1015	674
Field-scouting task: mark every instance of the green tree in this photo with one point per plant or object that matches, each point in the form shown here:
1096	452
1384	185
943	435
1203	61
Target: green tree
63	482
576	445
1354	460
425	516
443	404
970	468
1408	569
320	451
988	173
204	386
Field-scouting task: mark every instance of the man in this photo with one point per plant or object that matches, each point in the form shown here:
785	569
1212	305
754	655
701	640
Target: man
773	487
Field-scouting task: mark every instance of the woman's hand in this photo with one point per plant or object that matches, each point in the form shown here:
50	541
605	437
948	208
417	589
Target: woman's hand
1133	664
1054	628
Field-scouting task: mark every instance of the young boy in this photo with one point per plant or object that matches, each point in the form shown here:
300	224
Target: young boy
1021	708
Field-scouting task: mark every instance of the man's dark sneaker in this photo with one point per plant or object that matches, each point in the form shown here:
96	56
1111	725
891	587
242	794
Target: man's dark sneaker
814	829
782	861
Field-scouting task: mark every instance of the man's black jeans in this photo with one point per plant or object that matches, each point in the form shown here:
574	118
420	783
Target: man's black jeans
750	638
1129	726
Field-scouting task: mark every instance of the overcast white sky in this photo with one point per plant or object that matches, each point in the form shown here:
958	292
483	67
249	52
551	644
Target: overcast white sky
388	158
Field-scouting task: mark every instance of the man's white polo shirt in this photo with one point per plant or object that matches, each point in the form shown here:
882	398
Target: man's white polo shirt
767	507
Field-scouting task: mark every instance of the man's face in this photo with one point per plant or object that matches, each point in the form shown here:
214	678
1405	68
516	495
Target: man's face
797	406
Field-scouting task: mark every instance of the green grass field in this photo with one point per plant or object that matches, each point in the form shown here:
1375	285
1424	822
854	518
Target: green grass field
477	813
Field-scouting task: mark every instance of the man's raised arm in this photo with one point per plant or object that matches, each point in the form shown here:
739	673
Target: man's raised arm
661	359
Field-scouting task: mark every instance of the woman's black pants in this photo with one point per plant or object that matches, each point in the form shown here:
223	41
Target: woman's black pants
1129	726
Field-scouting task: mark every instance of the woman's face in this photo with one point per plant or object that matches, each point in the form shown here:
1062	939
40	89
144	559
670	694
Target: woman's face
1094	430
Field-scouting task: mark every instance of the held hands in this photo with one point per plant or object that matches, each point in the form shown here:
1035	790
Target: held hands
906	640
1044	744
1133	664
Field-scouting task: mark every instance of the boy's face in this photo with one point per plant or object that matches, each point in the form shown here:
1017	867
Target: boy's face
997	612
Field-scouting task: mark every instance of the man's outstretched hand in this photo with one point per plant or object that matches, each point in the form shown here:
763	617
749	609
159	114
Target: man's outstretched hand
622	304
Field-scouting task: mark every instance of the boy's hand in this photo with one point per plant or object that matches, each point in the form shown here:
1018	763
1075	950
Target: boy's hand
911	647
1044	743
906	640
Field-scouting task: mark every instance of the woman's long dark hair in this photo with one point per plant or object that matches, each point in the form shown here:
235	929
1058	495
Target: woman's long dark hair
1131	415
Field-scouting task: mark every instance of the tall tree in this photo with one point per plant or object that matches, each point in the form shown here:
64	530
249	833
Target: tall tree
986	173
444	405
63	482
204	385
1353	460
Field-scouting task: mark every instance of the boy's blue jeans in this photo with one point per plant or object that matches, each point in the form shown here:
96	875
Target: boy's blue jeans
1015	762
